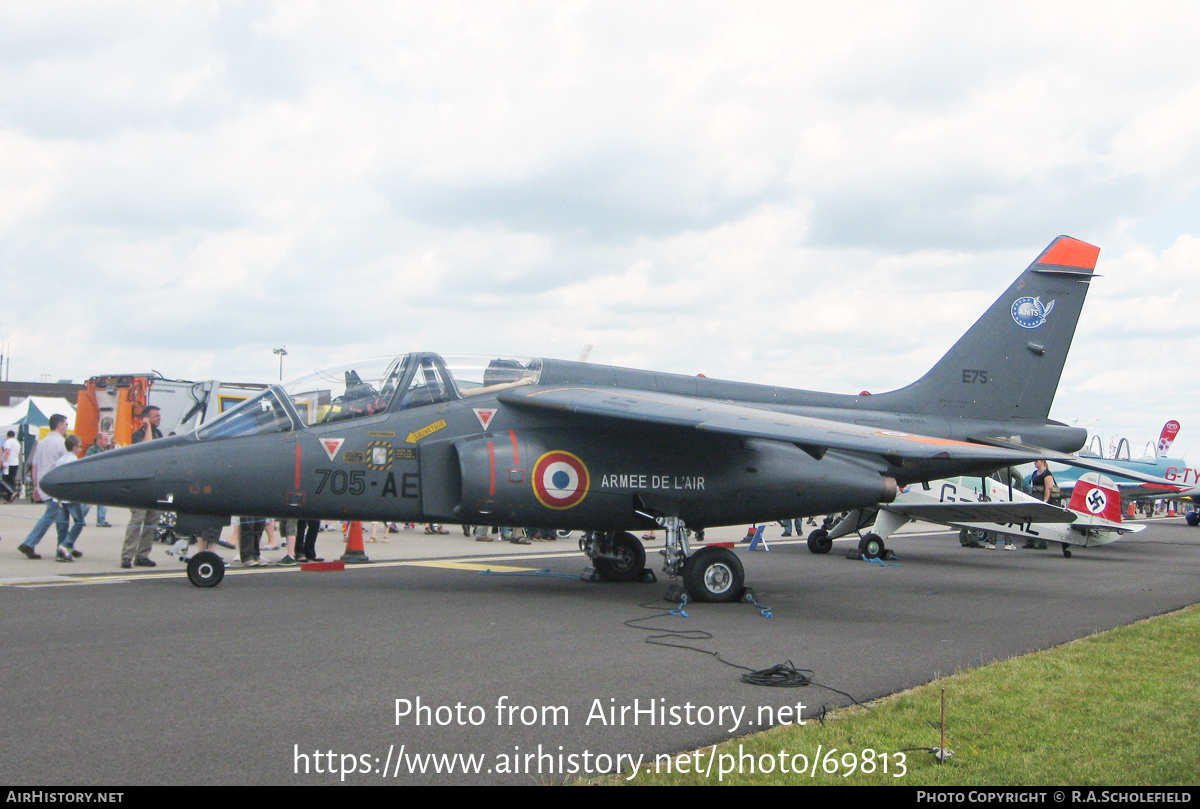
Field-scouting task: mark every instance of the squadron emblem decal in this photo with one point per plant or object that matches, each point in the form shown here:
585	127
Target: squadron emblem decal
560	480
1029	313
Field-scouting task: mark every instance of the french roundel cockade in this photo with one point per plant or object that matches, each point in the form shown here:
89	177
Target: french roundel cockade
560	480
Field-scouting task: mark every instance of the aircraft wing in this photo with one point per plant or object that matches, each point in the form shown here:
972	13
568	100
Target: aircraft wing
814	435
1118	473
988	512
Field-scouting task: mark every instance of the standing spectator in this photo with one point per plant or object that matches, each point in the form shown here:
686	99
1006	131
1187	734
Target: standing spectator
288	529
70	511
143	522
272	542
250	531
48	451
1045	489
103	444
11	462
306	541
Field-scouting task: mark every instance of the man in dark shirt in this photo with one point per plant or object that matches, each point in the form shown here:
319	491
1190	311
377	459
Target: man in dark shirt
139	535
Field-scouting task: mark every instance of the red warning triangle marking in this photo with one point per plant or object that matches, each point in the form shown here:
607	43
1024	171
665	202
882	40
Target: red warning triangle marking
484	414
332	445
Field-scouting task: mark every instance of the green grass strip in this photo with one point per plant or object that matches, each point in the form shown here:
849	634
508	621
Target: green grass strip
1117	708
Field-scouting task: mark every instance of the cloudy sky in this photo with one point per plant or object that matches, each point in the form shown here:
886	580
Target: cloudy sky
819	195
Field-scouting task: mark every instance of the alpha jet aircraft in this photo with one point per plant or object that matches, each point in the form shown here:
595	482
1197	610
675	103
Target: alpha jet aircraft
496	440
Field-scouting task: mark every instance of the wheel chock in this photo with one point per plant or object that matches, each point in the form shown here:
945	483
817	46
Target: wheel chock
321	567
854	556
591	574
675	593
648	576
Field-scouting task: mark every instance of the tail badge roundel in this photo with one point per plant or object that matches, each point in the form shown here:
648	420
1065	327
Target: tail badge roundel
560	480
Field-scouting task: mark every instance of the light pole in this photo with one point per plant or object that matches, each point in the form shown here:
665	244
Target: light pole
282	352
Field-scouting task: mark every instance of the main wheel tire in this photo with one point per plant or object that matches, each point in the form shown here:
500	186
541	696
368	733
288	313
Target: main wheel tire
871	546
819	541
714	574
205	569
627	561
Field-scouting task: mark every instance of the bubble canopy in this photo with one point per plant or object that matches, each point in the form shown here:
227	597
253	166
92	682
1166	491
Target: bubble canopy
371	387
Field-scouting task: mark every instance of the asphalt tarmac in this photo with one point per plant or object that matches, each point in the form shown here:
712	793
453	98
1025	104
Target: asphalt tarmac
282	676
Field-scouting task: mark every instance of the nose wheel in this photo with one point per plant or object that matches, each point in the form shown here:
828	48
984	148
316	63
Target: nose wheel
205	569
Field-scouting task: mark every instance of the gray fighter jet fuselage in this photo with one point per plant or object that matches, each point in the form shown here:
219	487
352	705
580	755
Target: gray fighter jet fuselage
539	442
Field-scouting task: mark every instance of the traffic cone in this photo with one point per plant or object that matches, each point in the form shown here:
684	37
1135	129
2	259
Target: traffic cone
1171	509
354	554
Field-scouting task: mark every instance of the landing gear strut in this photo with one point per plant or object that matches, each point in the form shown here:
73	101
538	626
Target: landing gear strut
677	551
711	574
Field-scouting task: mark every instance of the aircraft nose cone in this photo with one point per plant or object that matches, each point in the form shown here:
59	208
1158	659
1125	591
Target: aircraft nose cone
110	478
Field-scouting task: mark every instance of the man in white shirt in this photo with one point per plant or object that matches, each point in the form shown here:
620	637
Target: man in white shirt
11	462
47	453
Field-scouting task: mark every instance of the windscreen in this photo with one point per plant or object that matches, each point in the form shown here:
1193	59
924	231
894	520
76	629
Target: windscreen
260	415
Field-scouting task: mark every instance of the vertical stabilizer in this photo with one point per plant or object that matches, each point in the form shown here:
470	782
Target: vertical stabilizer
1096	499
1008	364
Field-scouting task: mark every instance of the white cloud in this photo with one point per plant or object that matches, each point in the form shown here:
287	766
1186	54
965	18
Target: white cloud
763	191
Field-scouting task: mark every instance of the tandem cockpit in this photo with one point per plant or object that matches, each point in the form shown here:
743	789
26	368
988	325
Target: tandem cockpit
371	387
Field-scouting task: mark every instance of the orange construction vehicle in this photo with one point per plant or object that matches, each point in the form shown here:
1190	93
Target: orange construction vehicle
113	404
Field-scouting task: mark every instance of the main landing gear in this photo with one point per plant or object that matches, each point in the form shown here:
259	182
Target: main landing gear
616	555
711	574
871	547
819	541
